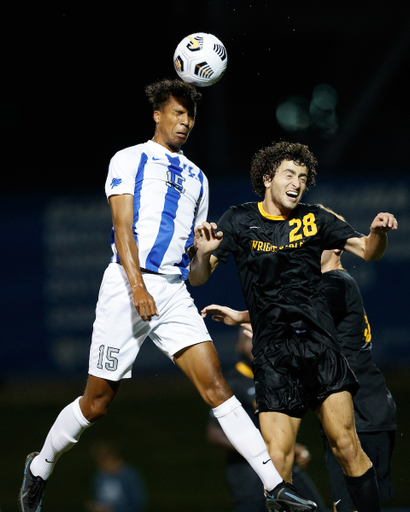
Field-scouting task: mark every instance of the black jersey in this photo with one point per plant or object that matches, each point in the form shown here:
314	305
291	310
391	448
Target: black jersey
374	406
278	262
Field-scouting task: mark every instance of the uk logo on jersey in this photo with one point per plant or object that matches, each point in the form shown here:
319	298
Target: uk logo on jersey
115	182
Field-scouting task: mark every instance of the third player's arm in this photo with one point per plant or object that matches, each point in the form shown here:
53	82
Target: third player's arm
372	246
122	208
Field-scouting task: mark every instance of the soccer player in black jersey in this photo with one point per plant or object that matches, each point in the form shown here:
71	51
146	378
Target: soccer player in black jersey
277	245
374	407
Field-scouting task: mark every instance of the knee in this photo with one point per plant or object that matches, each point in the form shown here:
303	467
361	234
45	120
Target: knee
346	447
216	392
93	408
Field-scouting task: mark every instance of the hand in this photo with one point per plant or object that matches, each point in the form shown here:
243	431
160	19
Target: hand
226	315
247	330
206	239
383	222
302	455
144	303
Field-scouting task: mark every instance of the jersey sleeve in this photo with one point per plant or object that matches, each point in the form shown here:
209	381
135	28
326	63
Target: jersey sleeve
203	203
228	245
121	174
336	231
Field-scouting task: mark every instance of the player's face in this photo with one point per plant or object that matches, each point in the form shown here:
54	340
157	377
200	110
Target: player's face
174	123
285	190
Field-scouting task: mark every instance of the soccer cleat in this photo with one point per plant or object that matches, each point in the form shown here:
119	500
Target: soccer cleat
32	491
285	498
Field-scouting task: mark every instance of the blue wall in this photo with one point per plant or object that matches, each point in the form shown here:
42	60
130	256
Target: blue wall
54	250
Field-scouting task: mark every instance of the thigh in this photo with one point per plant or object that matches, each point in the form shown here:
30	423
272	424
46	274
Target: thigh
279	430
379	448
336	416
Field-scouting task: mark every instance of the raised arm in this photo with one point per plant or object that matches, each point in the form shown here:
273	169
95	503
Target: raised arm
206	240
372	246
122	209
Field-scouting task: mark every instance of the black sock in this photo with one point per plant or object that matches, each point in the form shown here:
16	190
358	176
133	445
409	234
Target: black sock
364	491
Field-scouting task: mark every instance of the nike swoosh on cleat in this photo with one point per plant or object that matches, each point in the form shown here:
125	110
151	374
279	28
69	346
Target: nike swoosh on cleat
338	501
50	461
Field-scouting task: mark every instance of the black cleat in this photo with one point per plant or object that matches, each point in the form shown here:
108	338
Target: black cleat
285	498
32	491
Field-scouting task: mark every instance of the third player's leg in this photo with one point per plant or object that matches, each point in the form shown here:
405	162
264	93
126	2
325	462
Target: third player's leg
201	364
337	417
279	432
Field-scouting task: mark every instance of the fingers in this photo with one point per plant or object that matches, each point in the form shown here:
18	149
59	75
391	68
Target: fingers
384	222
208	230
215	310
145	307
247	330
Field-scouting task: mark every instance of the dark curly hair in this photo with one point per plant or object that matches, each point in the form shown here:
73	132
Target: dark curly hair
266	162
160	92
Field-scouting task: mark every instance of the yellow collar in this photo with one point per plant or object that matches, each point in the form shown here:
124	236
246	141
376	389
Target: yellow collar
271	217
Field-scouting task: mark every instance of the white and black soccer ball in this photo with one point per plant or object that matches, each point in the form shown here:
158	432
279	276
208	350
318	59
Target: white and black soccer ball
200	59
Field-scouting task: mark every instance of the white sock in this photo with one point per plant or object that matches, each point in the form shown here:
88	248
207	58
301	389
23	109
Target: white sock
63	435
247	440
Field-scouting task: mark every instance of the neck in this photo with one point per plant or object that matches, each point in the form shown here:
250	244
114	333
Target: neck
332	264
173	149
272	209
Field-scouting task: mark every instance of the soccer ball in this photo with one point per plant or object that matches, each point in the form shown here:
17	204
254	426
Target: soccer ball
200	59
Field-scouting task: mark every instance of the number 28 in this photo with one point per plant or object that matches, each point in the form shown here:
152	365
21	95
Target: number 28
309	227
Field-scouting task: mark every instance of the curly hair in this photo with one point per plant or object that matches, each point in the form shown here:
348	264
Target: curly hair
159	93
267	160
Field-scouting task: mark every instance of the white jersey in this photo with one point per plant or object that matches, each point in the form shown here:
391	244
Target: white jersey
171	197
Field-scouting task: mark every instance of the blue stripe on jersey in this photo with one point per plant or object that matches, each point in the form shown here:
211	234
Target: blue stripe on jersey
139	179
167	224
184	263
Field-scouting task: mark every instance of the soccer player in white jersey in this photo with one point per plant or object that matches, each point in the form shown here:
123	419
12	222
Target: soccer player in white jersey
157	196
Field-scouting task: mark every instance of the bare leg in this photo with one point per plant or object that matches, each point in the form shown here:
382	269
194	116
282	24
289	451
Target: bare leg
279	432
337	418
98	395
201	364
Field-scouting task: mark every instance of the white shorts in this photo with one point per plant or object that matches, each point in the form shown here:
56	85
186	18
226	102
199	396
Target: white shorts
119	332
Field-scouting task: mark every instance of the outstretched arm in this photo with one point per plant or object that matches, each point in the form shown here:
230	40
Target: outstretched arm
372	246
122	208
206	240
227	315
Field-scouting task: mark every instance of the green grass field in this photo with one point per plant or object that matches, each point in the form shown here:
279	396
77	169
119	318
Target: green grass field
159	425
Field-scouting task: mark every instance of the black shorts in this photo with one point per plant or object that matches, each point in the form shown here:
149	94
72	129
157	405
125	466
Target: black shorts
379	448
298	373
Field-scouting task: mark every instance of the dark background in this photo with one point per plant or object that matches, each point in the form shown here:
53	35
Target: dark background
72	94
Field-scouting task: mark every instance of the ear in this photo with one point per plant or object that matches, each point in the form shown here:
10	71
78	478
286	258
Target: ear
266	180
157	116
